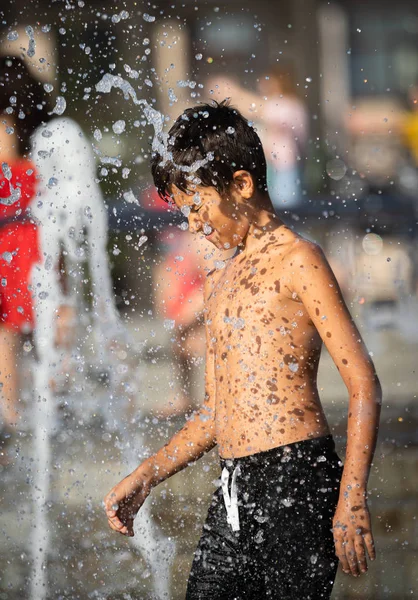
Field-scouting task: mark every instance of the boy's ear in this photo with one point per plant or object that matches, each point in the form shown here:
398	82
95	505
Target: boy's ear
244	184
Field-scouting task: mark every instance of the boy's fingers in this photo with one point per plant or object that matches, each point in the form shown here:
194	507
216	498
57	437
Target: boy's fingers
110	503
115	524
361	553
368	540
112	526
352	558
340	552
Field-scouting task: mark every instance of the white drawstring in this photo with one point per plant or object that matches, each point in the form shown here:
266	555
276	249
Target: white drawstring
231	501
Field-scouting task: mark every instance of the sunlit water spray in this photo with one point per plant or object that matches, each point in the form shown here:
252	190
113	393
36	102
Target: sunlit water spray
153	117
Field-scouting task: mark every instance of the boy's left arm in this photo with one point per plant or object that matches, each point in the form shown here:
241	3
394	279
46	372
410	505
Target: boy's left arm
315	284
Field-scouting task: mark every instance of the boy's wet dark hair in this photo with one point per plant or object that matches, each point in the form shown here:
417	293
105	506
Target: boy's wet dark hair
216	132
23	98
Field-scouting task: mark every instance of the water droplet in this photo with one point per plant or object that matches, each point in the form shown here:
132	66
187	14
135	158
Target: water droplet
169	324
27	346
287	502
171	95
372	244
60	106
239	324
148	18
199	56
259	537
7	172
336	169
207	229
119	126
230	130
129	197
48	87
48	262
12	36
7	256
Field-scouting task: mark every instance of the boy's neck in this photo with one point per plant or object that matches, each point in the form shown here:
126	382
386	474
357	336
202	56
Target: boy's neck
263	221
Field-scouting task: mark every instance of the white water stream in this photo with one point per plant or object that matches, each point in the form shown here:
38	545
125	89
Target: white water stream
73	223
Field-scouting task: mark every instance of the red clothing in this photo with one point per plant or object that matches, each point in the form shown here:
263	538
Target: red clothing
19	247
186	279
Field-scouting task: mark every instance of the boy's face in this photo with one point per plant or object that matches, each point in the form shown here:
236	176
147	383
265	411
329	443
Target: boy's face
223	220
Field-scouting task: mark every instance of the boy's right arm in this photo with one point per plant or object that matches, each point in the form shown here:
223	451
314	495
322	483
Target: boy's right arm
188	445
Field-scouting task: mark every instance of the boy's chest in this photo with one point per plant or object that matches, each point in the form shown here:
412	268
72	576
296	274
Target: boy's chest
249	295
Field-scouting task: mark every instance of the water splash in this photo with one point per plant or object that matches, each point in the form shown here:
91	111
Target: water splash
60	106
153	117
61	212
12	36
32	46
74	220
15	192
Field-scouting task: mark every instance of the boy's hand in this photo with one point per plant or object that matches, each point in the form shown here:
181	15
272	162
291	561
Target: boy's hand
123	502
353	535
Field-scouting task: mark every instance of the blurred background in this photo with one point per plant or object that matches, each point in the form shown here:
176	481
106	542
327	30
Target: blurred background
332	88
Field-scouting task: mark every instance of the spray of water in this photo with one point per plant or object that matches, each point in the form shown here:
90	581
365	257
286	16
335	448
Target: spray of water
73	222
153	117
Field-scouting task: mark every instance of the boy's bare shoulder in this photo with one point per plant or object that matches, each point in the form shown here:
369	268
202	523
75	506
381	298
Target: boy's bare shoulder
292	247
303	250
295	256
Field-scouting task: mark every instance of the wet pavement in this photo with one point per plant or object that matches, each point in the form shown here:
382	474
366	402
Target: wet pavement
86	560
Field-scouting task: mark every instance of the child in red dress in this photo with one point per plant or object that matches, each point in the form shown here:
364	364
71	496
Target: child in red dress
22	110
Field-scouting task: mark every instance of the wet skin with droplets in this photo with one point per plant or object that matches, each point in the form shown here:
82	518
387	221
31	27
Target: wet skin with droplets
266	351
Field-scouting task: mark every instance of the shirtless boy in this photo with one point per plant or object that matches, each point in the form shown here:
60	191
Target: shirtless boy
285	507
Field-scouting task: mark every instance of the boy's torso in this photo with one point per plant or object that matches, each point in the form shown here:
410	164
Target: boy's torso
266	352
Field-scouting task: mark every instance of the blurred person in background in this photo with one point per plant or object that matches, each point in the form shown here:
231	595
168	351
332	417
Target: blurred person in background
282	120
178	284
73	232
375	143
23	107
285	122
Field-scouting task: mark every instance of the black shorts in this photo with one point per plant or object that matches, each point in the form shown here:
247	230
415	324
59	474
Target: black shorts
268	530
